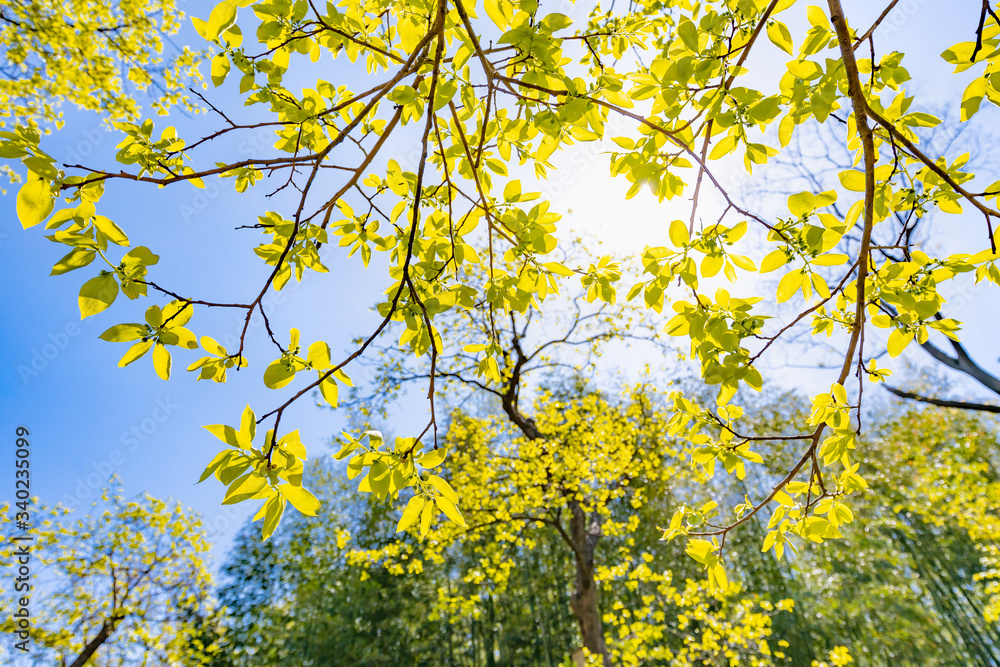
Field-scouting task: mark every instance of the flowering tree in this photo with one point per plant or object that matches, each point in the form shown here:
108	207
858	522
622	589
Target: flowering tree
127	583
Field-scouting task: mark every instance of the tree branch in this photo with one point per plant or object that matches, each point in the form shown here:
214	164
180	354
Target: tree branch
944	403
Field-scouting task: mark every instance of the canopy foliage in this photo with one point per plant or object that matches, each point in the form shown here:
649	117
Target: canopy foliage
491	95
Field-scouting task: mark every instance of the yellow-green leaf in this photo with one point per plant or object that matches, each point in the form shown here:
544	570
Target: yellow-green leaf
244	487
97	294
432	459
330	391
972	98
220	68
789	285
135	352
425	518
679	233
773	260
75	259
34	201
114	233
779	35
410	513
161	361
443	487
450	511
278	374
853	180
273	509
898	340
300	499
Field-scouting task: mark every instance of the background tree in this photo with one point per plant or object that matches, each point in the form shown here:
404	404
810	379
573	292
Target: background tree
899	588
298	599
369	598
890	554
904	585
126	584
94	56
573	473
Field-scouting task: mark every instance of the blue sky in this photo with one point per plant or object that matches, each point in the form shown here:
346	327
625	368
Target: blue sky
89	419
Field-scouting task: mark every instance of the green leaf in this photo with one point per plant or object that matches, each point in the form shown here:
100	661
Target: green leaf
679	233
97	294
77	258
121	333
154	316
140	255
112	231
701	550
220	69
135	352
278	374
779	35
244	487
411	513
898	340
34	201
273	509
497	166
450	510
554	22
443	487
789	285
853	180
161	361
300	499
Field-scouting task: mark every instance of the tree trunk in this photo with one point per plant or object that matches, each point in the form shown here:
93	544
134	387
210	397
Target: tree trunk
584	600
490	635
583	535
107	628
